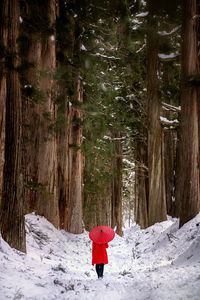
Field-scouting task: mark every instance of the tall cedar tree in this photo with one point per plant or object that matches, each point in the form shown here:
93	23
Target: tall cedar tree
188	176
3	48
156	198
69	131
39	111
12	223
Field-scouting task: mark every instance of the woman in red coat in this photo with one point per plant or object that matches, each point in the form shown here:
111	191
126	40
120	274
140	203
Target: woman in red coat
99	257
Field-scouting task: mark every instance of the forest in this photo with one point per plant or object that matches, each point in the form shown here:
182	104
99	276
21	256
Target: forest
99	113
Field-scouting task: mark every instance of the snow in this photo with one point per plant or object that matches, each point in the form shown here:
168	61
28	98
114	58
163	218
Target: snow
168	56
160	262
130	163
141	48
130	96
105	56
106	137
165	33
167	106
83	48
143	14
165	120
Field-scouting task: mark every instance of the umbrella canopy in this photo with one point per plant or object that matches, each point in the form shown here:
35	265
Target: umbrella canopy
102	234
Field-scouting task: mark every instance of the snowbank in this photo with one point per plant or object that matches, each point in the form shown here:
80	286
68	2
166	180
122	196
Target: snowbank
160	262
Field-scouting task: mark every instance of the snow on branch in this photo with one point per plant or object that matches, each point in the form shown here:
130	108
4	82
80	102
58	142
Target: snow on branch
166	121
83	48
142	15
141	48
170	107
171	124
105	56
168	57
165	33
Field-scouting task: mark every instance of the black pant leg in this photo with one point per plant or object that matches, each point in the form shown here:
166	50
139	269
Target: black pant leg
101	270
98	269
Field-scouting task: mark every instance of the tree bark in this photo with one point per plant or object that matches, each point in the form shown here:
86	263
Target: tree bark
97	208
170	152
75	203
157	200
103	212
63	168
48	149
64	86
116	199
170	141
141	185
3	38
41	151
12	221
188	181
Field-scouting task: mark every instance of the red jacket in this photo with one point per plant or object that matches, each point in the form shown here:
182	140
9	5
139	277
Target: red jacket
99	254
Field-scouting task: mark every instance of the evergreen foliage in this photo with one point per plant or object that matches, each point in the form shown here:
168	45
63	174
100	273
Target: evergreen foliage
112	78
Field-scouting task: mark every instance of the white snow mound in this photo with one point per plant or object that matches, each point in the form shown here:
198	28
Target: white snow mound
160	262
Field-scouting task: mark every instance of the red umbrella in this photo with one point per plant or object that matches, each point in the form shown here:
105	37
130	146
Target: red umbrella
102	234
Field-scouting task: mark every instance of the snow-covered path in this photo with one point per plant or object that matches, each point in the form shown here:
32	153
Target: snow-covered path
160	262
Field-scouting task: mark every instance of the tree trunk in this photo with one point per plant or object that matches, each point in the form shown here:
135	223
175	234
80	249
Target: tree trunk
188	181
31	130
69	137
178	175
3	38
47	155
157	200
12	213
41	152
63	168
97	208
90	210
170	138
75	203
64	86
141	186
170	150
116	199
104	207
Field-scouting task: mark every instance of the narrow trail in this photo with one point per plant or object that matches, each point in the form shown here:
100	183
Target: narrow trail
160	262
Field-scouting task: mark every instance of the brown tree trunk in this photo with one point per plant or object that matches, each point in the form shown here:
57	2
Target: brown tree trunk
170	138
12	221
64	86
75	202
48	148
157	200
104	207
141	186
188	181
116	199
97	208
41	152
31	129
3	38
90	210
170	150
69	137
63	168
178	176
